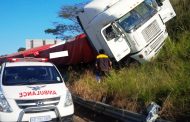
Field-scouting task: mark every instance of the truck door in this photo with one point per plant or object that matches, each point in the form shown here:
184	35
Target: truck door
117	43
166	10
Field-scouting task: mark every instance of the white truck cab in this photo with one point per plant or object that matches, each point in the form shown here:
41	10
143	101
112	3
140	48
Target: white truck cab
133	28
33	91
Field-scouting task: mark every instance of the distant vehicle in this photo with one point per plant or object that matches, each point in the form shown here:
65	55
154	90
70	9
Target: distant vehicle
33	91
127	28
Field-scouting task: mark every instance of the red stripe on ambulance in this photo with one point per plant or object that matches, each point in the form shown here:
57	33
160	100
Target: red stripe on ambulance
37	93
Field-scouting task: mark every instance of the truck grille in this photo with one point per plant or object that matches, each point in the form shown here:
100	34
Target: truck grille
151	31
157	42
23	104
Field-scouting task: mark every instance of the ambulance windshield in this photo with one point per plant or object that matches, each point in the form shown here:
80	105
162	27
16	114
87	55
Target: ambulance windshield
29	75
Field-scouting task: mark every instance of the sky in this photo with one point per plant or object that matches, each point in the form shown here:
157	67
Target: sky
27	19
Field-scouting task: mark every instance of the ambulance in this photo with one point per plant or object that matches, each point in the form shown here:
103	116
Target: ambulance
33	90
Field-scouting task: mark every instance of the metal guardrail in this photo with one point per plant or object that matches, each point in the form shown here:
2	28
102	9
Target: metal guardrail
119	114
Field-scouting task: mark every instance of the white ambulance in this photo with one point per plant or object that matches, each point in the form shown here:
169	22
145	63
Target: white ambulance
33	91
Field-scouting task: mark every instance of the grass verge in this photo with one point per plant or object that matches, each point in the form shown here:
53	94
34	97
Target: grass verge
164	80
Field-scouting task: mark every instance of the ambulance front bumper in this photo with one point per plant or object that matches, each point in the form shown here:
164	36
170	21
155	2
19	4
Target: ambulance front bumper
32	114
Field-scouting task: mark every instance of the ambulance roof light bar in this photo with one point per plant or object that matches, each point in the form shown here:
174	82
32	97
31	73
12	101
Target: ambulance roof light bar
27	59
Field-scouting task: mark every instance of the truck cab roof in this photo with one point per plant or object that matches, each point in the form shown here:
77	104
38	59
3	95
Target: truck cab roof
97	7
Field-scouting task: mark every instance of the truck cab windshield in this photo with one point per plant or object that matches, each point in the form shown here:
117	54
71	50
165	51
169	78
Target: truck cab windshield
136	17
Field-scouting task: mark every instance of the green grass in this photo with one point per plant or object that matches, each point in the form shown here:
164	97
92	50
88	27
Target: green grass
165	80
181	22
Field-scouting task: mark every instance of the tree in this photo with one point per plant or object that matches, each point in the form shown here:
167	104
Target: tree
21	49
71	27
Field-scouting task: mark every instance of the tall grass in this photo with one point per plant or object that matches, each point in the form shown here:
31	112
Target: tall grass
181	22
165	81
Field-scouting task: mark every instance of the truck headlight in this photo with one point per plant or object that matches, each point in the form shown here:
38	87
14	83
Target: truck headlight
146	52
4	105
68	100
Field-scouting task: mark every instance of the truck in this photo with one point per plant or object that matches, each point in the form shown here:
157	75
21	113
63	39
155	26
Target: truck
33	90
127	29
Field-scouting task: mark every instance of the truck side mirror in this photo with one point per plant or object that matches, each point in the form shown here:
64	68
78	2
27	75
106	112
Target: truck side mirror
159	2
116	29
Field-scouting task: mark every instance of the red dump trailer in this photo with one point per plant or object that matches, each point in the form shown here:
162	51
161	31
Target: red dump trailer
79	50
